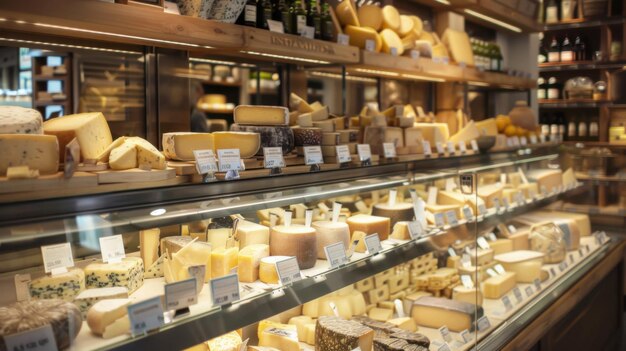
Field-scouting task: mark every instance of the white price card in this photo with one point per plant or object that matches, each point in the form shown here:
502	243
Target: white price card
499	269
181	294
308	32
467	213
467	281
529	291
225	290
275	26
512	229
112	248
533	139
389	149
483	324
507	303
518	294
313	155
466	261
462	147
474	145
571	258
482	242
516	141
38	339
451	252
562	266
427	150
22	284
520	199
273	157
205	161
343	39
552	272
451	218
343	153
537	283
505	202
523	141
145	316
370	45
336	254
482	209
432	195
440	149
491	236
581	253
439	221
415	230
288	270
445	334
451	148
415	54
372	243
57	258
229	160
394	51
364	151
466	336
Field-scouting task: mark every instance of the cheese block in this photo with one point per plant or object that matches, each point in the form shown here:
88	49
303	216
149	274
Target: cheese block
348	136
320	114
582	220
391	18
120	326
105	312
247	143
398	282
285	316
271	136
525	264
149	246
358	241
458	44
127	273
469	295
391	40
304	120
376	136
228	342
357	303
194	254
370	225
364	285
487	127
250	233
360	35
20	120
267	269
91	130
346	14
548	238
551	179
310	333
300	322
400	211
223	260
249	260
408	300
434	312
530	190
401	231
40	152
148	156
489	193
123	157
261	115
500	246
434	209
63	317
89	297
295	240
467	134
172	244
380	314
281	336
371	16
180	146
404	323
331	139
307	136
326	126
336	334
481	257
432	132
328	233
65	286
378	294
569	179
498	286
218	237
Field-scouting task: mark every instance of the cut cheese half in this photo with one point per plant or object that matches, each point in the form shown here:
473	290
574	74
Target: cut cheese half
261	115
247	143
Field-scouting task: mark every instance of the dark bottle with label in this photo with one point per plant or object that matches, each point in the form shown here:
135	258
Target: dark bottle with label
283	14
249	13
567	50
299	16
543	53
554	53
542	92
328	28
554	89
579	48
552	12
263	13
314	19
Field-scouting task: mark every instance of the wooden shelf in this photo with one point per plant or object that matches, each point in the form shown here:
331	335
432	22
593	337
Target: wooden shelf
222	84
596	144
581	65
582	23
579	103
520	14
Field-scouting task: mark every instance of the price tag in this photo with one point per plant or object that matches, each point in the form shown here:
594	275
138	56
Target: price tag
491	272
496	203
467	213
580	253
112	248
444	347
336	254
562	266
533	139
467	281
415	230
552	272
57	258
415	54
474	145
587	248
451	252
343	39
145	315
505	202
440	149
364	151
432	195
466	261
273	157
225	290
512	229
394	51
507	303
370	45
182	294
399	308
451	217
518	294
38	339
288	270
537	283
482	243
482	209
529	291
428	152
520	199
229	160
499	269
544	191
22	283
483	324
343	153
571	258
466	336
389	150
205	161
523	141
275	26
308	32
516	141
491	236
313	155
439	222
445	334
372	242
462	147
451	148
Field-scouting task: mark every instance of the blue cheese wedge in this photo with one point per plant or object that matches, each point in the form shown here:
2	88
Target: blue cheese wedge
127	273
156	269
63	286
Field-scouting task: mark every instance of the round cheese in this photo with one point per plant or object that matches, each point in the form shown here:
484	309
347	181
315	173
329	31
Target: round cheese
391	18
391	40
371	16
418	25
63	317
346	14
20	120
295	240
399	212
406	25
307	136
359	36
271	136
328	233
247	143
267	269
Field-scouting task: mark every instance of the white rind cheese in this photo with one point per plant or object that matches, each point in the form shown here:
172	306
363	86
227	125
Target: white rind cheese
20	120
89	297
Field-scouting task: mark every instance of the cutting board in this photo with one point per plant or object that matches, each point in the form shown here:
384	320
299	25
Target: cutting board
47	182
135	175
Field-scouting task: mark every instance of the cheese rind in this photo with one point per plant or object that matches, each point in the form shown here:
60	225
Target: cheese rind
295	240
271	136
39	152
360	35
227	342
223	260
391	41
149	246
328	233
400	211
64	286
261	115
180	146
91	130
20	120
127	273
247	143
105	312
434	312
335	334
458	44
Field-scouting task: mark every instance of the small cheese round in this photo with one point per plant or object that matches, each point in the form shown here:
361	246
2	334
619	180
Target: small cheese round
371	16
328	233
406	25
295	240
346	14
391	18
267	269
391	40
418	25
20	120
360	35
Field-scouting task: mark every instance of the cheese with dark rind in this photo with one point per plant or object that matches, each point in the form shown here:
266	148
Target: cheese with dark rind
307	136
433	312
63	317
400	211
370	225
411	338
295	240
271	136
336	334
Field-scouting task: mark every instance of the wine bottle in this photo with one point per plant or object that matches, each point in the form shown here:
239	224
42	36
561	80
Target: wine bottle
582	130
328	28
554	91
593	130
554	53
571	130
567	50
250	17
263	13
315	19
282	14
552	12
579	45
300	16
543	53
541	89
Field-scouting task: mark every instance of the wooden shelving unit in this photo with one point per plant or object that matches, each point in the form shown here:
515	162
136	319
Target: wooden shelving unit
42	81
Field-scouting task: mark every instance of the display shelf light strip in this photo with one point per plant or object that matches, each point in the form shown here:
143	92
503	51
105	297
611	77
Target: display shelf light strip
33	42
338	76
480	84
431	79
219	62
493	20
292	58
445	2
378	72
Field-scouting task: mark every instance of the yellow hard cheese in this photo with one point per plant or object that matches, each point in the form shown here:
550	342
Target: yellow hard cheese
91	130
261	115
360	35
249	260
180	146
496	287
223	260
39	152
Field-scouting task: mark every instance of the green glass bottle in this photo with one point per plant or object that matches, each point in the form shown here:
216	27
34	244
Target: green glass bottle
300	16
283	14
264	14
328	28
315	19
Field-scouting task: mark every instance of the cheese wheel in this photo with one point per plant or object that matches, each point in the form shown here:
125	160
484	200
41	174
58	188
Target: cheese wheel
391	18
295	240
359	36
370	225
399	212
267	269
328	233
91	130
346	14
418	25
371	16
406	25
391	40
20	120
247	143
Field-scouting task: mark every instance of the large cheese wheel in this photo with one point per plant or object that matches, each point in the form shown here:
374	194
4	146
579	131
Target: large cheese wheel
267	269
371	16
359	36
328	233
20	120
401	211
418	26
391	40
346	14
295	240
406	25
391	18
370	225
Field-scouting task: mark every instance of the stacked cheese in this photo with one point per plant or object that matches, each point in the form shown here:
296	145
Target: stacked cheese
132	152
271	123
179	146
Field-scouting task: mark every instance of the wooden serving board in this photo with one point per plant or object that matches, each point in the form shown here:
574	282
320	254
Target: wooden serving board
189	168
48	183
135	175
